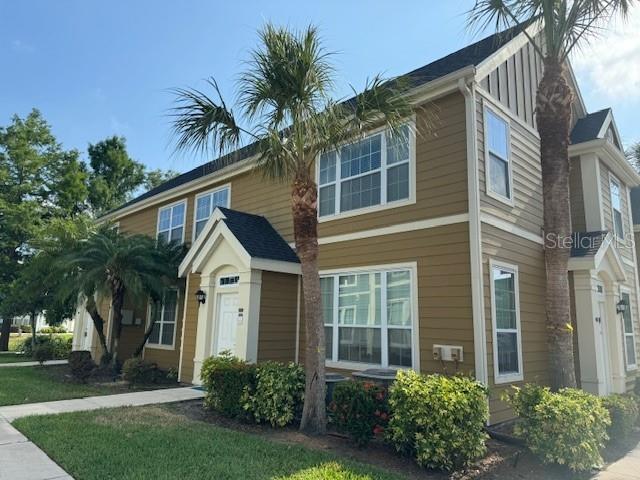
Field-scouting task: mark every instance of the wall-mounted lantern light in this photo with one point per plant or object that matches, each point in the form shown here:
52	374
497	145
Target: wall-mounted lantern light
621	306
201	296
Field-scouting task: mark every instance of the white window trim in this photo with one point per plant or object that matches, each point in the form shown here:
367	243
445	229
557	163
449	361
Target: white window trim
203	194
511	377
160	346
171	205
384	205
621	190
415	334
629	366
487	164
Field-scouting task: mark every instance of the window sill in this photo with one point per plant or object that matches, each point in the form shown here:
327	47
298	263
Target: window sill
159	347
365	210
503	379
500	198
359	367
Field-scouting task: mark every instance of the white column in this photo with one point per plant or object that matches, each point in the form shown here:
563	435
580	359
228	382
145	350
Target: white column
591	191
614	339
206	323
248	318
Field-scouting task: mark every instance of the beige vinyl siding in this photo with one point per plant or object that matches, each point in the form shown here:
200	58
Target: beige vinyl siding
190	325
576	196
527	209
277	325
529	258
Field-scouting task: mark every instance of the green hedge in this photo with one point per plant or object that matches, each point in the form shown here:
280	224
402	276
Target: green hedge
438	420
225	379
568	427
60	345
623	411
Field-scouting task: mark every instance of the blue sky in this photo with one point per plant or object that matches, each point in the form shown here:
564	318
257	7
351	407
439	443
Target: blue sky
100	68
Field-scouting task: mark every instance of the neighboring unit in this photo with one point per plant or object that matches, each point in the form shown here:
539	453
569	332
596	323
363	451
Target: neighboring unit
431	244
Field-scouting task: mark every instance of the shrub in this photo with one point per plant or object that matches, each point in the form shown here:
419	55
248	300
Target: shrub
327	471
438	420
53	329
568	427
136	371
60	345
225	378
623	411
278	393
360	410
81	364
42	352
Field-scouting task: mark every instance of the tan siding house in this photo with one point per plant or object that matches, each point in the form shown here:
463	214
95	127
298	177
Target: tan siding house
431	250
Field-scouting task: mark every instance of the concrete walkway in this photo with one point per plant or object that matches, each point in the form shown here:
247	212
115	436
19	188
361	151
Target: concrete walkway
20	459
33	364
627	468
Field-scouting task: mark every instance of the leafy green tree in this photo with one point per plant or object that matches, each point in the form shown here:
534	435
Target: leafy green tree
285	96
566	25
114	174
157	177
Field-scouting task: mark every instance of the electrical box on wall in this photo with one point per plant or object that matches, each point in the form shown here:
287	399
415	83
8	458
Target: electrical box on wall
447	353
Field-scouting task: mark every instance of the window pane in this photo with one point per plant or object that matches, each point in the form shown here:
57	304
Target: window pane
499	171
398	182
628	325
328	342
631	350
167	333
165	219
203	207
360	157
359	345
326	299
177	217
327	167
155	334
615	195
497	135
163	237
359	299
176	235
398	146
618	226
507	352
220	199
399	298
327	200
505	299
400	348
360	192
199	226
170	305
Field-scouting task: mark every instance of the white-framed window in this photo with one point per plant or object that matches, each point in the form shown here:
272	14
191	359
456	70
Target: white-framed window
206	203
229	280
374	172
505	313
171	222
497	140
616	207
165	315
629	337
369	317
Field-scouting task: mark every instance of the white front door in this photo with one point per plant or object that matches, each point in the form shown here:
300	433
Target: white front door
227	322
87	333
604	363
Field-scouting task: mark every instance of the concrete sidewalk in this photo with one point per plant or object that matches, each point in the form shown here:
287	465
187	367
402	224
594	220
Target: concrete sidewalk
627	468
20	459
33	364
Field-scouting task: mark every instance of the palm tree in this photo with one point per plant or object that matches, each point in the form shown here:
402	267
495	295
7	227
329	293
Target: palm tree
565	26
284	98
109	263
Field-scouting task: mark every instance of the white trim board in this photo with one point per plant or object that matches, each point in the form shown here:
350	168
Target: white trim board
510	227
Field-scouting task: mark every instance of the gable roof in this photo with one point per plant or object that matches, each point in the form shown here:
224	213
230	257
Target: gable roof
587	244
471	55
589	127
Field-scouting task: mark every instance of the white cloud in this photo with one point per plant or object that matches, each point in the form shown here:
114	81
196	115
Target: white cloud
611	62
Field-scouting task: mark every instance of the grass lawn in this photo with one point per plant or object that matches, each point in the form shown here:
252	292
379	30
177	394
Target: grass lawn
13	358
41	384
157	442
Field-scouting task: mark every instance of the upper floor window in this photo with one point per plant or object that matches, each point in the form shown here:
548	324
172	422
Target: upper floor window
171	222
206	203
616	207
164	314
497	155
368	317
505	309
373	171
629	338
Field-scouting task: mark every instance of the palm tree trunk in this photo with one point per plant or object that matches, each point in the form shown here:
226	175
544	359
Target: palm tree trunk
117	302
305	228
98	323
553	115
146	336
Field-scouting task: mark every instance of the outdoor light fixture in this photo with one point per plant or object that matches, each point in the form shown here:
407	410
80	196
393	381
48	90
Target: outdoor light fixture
201	296
621	306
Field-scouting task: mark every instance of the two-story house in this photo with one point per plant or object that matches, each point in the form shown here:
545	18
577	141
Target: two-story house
431	249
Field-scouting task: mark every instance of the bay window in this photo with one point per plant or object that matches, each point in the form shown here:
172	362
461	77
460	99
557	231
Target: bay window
206	203
171	222
368	317
375	170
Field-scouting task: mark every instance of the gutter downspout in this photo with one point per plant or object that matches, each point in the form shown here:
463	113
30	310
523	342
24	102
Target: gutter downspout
475	244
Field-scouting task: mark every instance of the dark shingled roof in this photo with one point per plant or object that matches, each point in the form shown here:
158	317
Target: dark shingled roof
587	244
587	128
471	55
258	237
